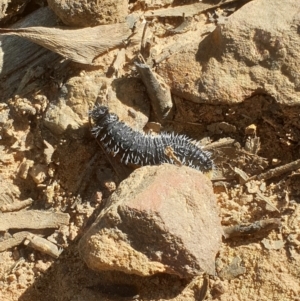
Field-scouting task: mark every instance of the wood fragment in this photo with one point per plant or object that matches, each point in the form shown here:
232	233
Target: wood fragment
188	10
242	175
252	145
48	152
158	91
277	171
33	219
13	241
15	206
202	293
219	144
254	228
82	45
144	35
43	245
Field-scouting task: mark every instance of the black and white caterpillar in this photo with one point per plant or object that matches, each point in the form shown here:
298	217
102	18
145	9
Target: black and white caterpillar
143	149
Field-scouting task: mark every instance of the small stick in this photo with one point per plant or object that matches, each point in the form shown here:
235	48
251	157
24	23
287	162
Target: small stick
143	36
158	91
33	219
43	245
218	144
277	171
254	228
13	241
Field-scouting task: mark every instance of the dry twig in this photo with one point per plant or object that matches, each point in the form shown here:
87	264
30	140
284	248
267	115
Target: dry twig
218	144
254	228
158	91
13	241
33	219
277	171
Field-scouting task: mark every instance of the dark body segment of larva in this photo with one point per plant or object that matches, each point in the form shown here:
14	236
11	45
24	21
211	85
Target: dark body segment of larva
142	149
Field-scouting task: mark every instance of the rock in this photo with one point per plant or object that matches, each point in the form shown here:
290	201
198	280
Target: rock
125	97
4	113
256	51
38	173
24	168
153	4
84	13
160	219
10	9
59	117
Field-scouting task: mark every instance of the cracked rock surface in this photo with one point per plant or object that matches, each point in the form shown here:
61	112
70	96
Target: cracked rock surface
151	225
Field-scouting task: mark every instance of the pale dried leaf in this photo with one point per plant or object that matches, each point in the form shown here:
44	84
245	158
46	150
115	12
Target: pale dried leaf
243	176
79	45
273	244
260	196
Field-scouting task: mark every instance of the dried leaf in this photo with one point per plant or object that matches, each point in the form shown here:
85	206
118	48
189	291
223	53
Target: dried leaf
273	244
260	196
79	45
242	175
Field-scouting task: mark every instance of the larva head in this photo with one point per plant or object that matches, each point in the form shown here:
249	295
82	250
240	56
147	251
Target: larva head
98	113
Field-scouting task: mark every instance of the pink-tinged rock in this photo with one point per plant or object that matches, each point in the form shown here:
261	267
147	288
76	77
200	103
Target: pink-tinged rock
256	51
161	219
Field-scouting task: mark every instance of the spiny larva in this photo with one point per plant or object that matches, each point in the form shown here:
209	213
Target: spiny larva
144	149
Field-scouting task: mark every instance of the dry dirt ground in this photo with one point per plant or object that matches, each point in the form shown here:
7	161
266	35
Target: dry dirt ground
253	135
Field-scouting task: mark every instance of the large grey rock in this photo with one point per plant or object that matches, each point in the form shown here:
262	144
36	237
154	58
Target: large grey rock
161	219
256	51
